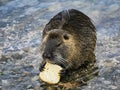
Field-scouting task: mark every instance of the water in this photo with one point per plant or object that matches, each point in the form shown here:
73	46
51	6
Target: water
21	25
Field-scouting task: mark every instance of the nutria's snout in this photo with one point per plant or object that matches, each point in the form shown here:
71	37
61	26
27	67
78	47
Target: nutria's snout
54	58
47	55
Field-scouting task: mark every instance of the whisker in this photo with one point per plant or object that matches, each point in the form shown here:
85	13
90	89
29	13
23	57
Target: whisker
61	61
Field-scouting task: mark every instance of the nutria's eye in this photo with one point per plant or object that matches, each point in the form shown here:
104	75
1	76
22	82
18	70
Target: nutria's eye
66	37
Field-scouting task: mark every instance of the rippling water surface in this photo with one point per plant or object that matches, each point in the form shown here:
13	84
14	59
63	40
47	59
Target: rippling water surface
21	25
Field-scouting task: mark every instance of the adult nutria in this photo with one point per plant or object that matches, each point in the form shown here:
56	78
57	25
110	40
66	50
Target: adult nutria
69	40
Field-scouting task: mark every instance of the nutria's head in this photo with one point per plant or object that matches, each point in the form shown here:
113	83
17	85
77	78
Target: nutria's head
69	39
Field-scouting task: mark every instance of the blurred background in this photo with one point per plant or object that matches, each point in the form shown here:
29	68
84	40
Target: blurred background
21	25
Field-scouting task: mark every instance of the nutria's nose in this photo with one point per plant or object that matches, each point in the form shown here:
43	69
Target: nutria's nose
47	55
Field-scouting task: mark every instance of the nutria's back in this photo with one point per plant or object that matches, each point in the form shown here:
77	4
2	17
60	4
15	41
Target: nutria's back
79	47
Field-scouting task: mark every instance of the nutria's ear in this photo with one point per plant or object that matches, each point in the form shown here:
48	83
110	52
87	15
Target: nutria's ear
45	32
46	29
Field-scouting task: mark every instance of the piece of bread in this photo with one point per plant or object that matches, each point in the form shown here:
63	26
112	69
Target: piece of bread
50	74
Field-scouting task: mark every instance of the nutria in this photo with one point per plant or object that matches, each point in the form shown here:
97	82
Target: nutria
69	40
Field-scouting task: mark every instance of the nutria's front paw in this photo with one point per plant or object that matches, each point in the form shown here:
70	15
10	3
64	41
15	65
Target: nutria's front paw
41	67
